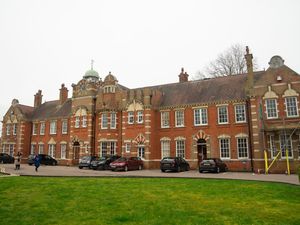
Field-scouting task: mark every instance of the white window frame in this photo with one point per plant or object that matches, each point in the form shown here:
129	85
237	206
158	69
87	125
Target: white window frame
32	149
113	146
7	129
165	119
64	126
113	122
180	148
241	154
53	127
104	148
165	148
41	148
272	113
77	121
130	117
141	152
293	108
140	117
51	150
200	117
179	118
224	146
63	151
42	128
11	149
34	128
240	113
289	143
225	117
84	121
15	129
127	147
272	146
104	121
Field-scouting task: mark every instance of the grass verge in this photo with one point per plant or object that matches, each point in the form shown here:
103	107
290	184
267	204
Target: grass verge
38	200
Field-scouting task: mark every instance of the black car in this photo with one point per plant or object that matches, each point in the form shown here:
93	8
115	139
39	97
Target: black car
86	161
6	158
44	159
174	164
212	165
103	162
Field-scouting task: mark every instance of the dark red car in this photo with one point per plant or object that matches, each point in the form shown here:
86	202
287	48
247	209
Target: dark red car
124	163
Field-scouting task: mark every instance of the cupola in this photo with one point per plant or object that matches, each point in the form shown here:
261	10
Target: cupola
91	75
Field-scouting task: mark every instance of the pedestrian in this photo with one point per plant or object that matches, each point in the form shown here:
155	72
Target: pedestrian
17	162
36	162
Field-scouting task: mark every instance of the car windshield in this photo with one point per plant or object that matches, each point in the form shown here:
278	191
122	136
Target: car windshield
168	159
102	158
86	157
122	159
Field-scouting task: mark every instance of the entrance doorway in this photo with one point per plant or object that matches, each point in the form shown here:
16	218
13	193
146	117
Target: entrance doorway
201	150
76	150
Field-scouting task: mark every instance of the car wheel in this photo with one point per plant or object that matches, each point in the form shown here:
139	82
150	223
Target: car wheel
200	171
80	167
54	163
125	168
218	170
187	168
140	167
1	161
163	170
178	169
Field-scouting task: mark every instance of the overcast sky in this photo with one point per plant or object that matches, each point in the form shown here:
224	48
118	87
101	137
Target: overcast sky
46	43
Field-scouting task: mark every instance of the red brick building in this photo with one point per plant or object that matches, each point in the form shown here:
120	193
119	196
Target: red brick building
235	118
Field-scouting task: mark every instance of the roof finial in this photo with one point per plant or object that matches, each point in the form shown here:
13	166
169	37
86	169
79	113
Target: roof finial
182	69
92	64
247	49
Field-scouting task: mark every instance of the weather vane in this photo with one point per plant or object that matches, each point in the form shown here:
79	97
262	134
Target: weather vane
92	64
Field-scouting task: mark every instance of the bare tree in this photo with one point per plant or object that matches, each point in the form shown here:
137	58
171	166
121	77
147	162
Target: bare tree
230	62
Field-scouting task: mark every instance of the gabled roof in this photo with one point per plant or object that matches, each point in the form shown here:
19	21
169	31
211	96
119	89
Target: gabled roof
52	109
220	89
25	110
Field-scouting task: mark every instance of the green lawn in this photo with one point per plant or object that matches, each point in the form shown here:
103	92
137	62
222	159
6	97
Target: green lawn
38	200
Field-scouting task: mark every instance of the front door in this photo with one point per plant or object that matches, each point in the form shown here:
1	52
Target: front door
201	150
76	149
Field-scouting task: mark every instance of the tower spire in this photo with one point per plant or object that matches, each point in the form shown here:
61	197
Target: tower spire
92	64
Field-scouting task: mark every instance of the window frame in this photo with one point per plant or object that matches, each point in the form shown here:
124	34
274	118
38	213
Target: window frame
104	121
77	122
64	127
219	115
223	149
164	150
295	106
289	145
51	150
130	117
113	120
165	119
180	148
270	111
201	115
179	118
246	147
84	121
63	151
42	128
34	128
53	127
240	113
15	129
7	129
140	116
41	150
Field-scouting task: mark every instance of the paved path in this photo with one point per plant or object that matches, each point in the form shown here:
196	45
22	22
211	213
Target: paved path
27	170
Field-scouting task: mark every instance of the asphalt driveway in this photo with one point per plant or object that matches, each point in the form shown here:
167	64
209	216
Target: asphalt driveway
73	171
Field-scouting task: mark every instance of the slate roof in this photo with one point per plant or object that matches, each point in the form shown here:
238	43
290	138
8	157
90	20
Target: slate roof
25	110
52	109
211	90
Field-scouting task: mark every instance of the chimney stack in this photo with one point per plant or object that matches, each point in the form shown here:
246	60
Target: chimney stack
183	76
38	99
250	75
63	94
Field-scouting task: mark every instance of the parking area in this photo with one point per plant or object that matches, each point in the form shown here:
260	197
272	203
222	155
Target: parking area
73	171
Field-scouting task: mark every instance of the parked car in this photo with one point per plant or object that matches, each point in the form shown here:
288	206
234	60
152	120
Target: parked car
123	163
44	159
6	158
174	164
86	161
103	162
212	165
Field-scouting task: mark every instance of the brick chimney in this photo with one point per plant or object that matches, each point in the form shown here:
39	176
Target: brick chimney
38	99
250	82
63	94
183	76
